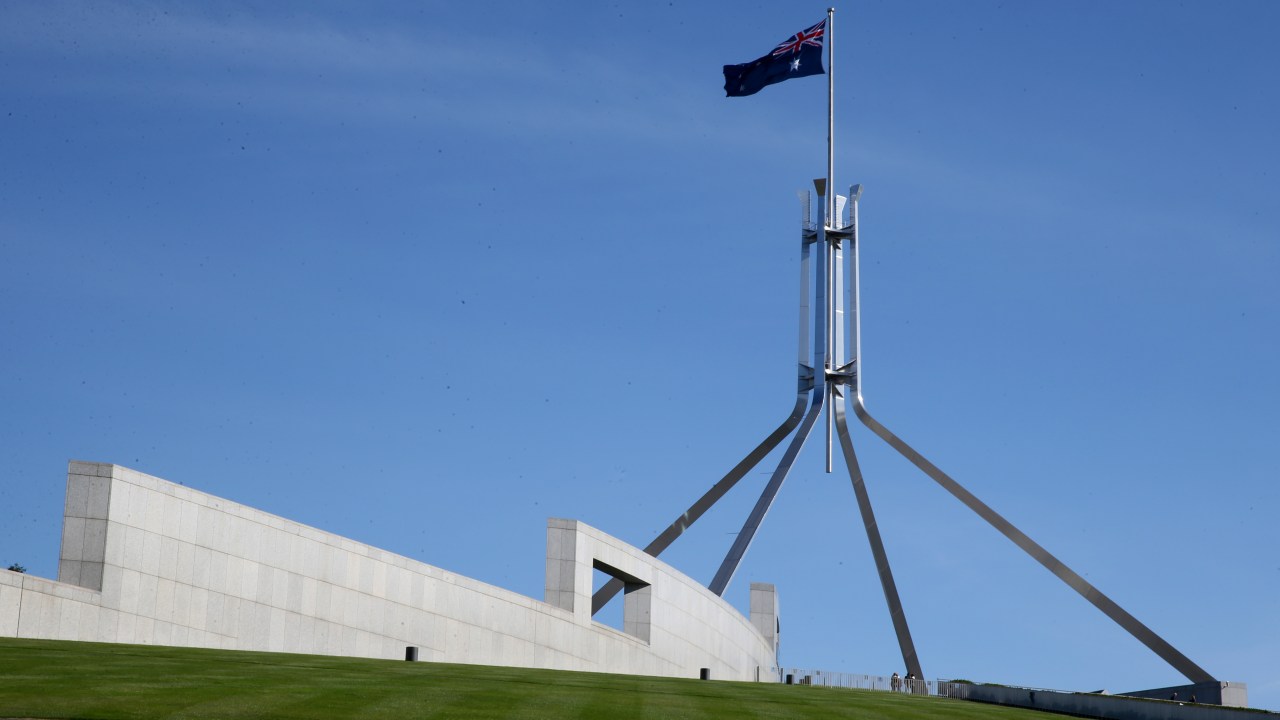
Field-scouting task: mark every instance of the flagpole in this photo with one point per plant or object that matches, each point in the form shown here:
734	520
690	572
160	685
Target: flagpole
831	117
831	220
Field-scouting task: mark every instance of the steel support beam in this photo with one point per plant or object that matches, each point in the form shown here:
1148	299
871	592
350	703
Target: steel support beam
733	558
704	503
896	614
1119	615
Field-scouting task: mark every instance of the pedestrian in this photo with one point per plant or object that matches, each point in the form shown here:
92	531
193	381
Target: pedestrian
895	682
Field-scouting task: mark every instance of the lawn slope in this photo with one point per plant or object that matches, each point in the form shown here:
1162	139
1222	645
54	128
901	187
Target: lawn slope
51	679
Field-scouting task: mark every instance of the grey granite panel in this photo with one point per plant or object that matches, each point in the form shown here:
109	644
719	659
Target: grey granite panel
73	538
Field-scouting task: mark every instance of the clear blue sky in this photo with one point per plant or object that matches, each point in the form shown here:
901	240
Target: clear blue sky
424	274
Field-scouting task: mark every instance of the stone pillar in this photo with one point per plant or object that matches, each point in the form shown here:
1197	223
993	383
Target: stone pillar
765	615
84	524
636	610
568	583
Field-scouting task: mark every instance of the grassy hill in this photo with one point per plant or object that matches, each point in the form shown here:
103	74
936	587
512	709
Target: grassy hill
50	679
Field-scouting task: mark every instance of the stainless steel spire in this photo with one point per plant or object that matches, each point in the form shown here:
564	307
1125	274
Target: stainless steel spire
829	378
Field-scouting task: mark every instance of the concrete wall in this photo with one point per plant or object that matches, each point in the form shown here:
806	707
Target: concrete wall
147	561
1217	692
1092	705
765	615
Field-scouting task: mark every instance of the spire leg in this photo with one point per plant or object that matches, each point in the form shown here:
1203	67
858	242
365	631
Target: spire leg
704	503
739	548
896	614
1142	633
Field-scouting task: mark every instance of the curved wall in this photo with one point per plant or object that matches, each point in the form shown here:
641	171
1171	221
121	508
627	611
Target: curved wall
147	561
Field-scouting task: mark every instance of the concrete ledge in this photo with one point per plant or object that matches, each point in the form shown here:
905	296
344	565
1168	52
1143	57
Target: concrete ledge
1093	705
1232	694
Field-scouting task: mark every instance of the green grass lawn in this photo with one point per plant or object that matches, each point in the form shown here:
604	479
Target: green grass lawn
50	679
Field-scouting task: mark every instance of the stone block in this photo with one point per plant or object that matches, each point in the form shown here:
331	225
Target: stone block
166	595
217	571
189	525
10	607
293	593
128	600
77	504
111	579
200	566
72	538
137	513
98	502
637	613
150	553
144	632
184	569
233	586
379	586
275	629
231	536
214	614
264	585
198	610
69	571
118	505
230	623
95	540
170	516
279	588
248	585
153	519
310	589
91	469
169	558
113	546
205	519
181	603
133	541
126	628
366	567
147	585
108	625
292	632
162	632
91	575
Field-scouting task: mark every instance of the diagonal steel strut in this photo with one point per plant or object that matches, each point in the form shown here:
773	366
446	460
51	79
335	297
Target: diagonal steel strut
739	548
896	613
1144	634
709	498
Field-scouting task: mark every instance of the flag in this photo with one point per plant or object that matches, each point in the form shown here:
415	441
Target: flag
798	56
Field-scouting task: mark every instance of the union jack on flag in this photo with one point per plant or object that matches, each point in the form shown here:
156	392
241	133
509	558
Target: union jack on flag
811	37
797	56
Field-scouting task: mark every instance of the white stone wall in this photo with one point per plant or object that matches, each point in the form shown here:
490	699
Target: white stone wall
765	614
147	561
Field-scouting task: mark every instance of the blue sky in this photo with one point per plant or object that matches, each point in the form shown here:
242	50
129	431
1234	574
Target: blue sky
425	275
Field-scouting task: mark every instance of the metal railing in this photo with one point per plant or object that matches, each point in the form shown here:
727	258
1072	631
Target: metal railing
856	681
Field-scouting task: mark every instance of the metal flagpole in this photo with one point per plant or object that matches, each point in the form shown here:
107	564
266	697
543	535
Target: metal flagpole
831	117
831	221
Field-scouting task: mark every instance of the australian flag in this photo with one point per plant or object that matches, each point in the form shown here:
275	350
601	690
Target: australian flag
797	56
